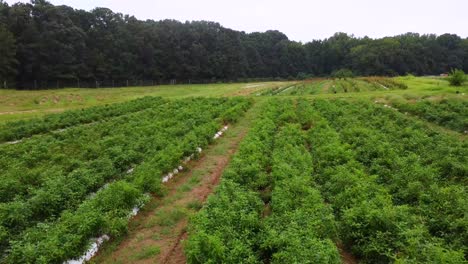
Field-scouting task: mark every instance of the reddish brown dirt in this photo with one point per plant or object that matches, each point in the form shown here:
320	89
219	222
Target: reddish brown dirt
346	256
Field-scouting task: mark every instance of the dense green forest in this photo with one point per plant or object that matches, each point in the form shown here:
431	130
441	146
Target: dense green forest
46	45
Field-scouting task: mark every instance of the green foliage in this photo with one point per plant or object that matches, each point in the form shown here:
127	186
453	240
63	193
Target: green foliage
170	217
457	77
195	205
20	129
338	85
146	252
8	60
230	228
385	83
50	47
450	113
225	229
78	184
408	161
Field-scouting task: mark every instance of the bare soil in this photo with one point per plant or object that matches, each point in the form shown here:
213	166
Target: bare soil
346	256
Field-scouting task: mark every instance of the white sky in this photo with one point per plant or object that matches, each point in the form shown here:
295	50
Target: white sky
302	20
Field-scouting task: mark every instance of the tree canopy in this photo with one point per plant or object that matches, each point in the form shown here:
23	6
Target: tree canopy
43	42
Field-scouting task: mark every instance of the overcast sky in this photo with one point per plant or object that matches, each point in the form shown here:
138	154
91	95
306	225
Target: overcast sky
302	20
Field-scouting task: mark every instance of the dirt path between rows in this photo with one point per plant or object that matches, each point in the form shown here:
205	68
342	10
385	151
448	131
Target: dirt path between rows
201	193
156	235
326	87
346	256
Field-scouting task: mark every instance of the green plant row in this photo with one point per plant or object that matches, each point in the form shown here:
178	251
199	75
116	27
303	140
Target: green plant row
384	197
25	128
119	143
385	83
449	113
226	230
430	186
161	142
301	227
307	87
348	85
266	209
278	90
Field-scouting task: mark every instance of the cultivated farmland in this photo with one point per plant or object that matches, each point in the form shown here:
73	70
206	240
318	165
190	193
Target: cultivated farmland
62	188
370	170
334	86
316	177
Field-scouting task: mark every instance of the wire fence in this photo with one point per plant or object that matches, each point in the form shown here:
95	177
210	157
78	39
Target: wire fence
58	84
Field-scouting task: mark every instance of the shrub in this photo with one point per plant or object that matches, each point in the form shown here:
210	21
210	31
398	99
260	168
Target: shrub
457	77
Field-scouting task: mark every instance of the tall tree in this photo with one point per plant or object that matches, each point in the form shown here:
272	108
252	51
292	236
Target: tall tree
42	42
8	61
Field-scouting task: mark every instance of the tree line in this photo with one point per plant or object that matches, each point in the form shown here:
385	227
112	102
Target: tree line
43	42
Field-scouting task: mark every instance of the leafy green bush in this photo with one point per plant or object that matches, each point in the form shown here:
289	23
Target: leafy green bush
225	230
457	77
450	113
392	215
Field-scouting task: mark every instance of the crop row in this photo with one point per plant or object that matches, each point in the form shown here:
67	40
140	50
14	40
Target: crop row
385	83
310	176
449	113
122	142
338	86
25	128
226	229
375	227
421	169
278	90
266	208
120	159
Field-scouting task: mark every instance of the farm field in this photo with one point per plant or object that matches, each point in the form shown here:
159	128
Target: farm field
334	86
52	205
362	170
329	175
15	105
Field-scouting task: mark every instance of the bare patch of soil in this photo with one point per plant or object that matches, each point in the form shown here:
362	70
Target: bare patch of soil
346	256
